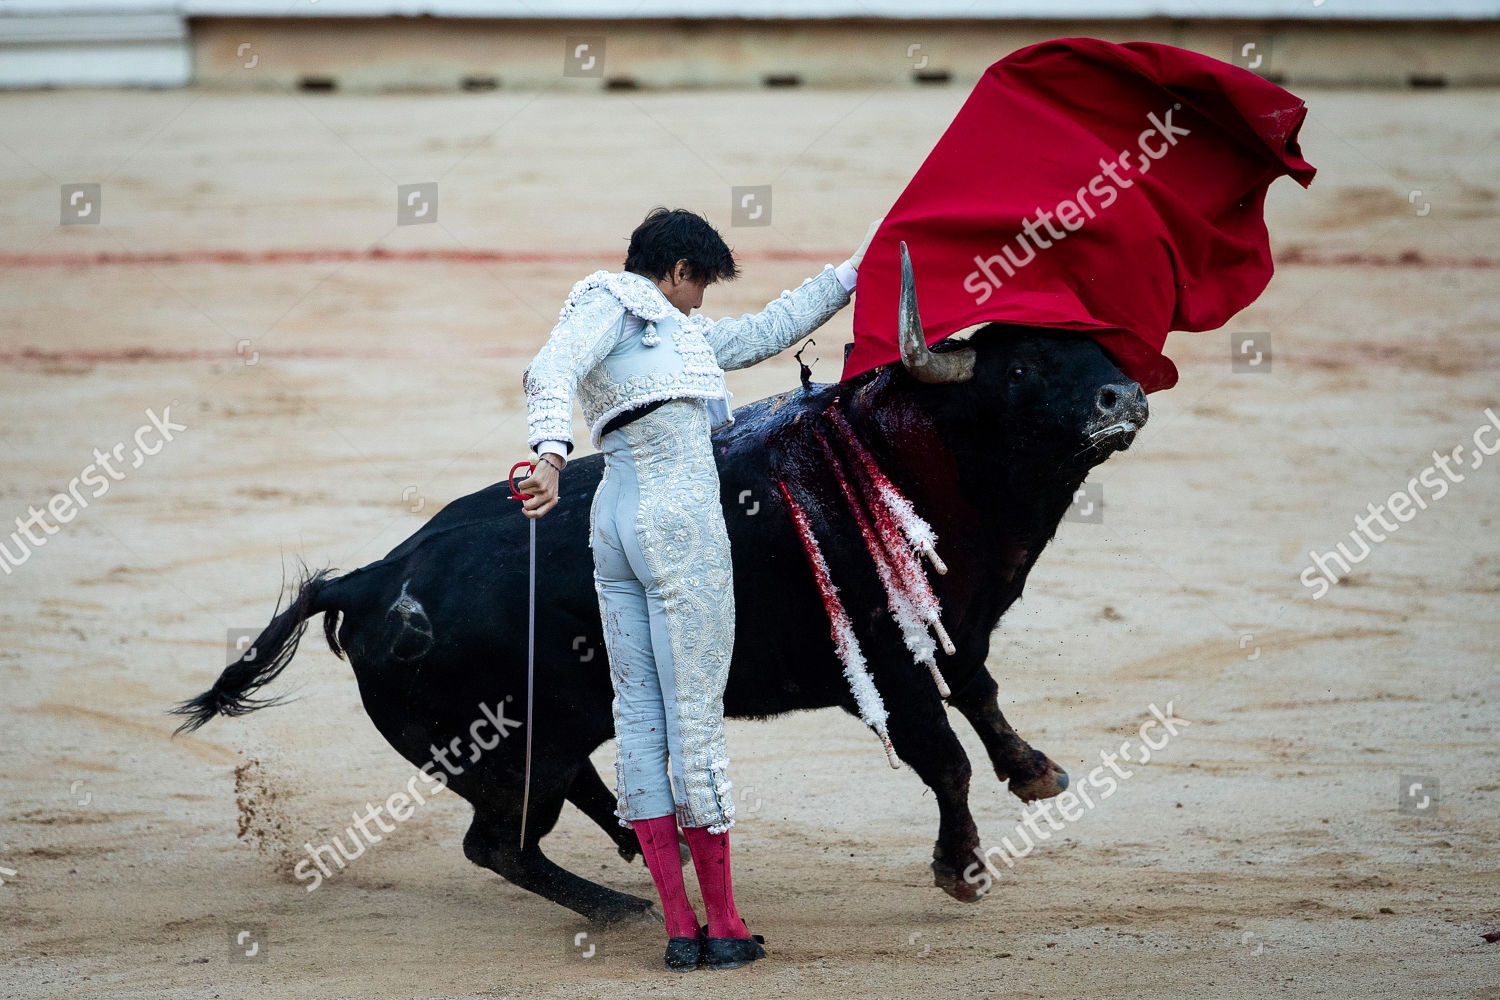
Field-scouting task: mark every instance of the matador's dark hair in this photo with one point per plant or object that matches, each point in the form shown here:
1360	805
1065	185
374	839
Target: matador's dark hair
669	235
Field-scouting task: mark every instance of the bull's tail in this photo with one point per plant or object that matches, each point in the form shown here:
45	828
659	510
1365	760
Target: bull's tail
262	663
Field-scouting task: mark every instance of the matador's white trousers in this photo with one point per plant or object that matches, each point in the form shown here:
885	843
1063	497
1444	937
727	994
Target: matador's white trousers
666	594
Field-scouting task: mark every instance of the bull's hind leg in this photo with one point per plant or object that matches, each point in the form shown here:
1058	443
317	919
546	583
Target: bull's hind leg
1032	774
493	842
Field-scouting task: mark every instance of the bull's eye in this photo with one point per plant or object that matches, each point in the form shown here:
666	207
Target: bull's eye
1017	372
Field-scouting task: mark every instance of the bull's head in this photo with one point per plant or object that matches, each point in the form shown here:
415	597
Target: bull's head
1051	395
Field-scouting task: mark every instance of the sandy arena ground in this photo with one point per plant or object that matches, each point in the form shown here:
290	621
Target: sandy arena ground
1261	853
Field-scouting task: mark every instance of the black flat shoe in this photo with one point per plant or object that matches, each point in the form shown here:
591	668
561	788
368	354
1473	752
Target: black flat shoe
684	954
731	953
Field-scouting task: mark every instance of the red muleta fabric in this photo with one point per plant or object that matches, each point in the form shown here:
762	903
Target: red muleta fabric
1010	218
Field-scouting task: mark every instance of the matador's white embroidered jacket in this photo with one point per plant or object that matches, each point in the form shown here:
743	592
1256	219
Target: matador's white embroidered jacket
595	353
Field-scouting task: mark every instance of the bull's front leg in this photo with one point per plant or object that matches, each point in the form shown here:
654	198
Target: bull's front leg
1031	773
924	740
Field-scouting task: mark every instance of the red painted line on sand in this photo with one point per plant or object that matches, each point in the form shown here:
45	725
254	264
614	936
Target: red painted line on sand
127	355
1293	257
1299	257
173	258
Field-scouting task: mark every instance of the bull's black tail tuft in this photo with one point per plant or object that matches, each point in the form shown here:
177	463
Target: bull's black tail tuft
262	663
331	621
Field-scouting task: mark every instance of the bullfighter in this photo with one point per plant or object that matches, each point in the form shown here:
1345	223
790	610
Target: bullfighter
649	377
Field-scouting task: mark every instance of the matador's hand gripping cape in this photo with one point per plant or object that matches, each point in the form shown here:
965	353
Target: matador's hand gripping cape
1113	189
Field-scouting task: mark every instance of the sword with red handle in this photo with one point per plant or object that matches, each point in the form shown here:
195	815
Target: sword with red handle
516	494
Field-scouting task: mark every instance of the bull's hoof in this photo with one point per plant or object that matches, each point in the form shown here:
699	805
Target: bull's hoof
948	879
628	911
1053	780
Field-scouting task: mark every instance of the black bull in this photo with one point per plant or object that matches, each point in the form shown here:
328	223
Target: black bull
438	627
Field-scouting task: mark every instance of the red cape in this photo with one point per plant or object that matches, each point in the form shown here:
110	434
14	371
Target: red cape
1014	218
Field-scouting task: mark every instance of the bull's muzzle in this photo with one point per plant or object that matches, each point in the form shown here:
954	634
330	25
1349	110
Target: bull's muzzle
1120	410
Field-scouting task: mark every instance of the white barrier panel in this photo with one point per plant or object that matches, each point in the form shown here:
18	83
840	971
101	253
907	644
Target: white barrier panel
119	47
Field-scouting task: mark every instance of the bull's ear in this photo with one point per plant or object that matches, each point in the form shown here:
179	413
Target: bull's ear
919	359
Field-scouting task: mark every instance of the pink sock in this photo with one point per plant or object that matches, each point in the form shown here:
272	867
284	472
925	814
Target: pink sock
658	839
711	860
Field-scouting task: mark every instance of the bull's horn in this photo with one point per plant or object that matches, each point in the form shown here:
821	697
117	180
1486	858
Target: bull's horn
925	366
